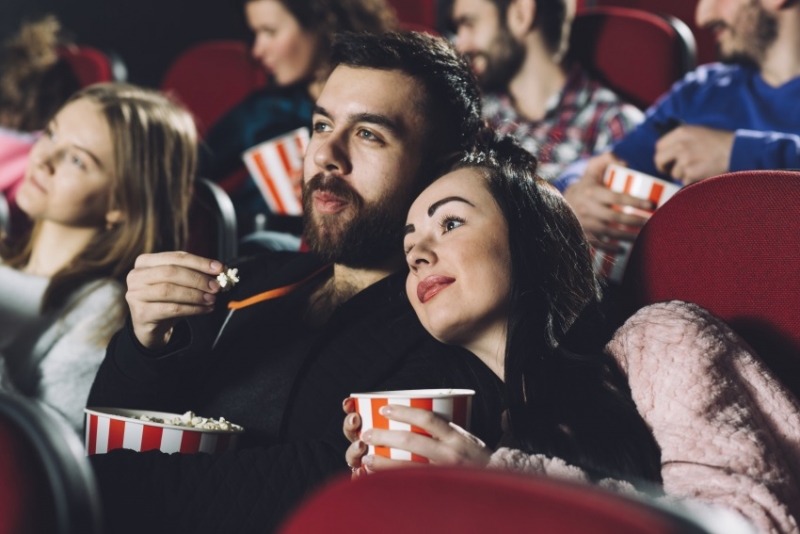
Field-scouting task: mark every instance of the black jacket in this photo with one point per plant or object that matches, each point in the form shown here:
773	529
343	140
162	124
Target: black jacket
293	439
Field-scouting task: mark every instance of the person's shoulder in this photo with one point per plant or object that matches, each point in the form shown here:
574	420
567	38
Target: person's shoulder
713	75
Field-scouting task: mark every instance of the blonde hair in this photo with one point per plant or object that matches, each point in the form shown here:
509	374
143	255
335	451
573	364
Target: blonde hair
155	158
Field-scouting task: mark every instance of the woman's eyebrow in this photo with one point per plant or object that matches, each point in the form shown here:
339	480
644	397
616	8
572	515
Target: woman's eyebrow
436	205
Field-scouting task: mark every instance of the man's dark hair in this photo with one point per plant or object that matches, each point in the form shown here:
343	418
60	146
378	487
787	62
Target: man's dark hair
451	106
550	15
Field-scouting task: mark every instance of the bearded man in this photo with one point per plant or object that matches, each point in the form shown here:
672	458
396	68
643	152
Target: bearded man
740	114
517	48
301	332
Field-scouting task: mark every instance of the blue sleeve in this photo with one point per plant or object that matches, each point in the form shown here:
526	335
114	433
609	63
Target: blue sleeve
638	148
764	150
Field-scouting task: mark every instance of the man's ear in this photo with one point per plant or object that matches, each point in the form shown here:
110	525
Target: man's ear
520	17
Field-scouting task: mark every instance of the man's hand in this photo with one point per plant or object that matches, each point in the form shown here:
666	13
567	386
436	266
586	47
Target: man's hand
592	202
694	153
166	287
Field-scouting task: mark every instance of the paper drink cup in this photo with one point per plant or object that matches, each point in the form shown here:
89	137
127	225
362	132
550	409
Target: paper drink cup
277	168
455	405
116	428
640	185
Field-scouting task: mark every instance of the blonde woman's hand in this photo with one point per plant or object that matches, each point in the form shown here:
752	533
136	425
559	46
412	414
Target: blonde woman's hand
164	288
448	444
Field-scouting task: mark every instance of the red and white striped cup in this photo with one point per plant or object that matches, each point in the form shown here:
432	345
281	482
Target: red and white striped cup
455	405
277	168
639	185
116	428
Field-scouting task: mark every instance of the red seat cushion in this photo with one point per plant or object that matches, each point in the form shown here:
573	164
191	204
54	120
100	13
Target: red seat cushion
470	501
732	245
89	64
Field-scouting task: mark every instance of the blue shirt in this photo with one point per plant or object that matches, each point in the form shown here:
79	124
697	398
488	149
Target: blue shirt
765	119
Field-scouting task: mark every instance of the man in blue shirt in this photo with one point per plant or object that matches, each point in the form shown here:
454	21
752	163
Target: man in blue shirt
740	115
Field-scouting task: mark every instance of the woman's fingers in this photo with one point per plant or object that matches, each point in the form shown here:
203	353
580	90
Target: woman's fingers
430	422
354	453
414	443
351	427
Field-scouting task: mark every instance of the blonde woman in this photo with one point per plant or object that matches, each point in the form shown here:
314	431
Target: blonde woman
109	179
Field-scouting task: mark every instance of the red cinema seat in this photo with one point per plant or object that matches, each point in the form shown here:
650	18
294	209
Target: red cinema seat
211	78
212	223
46	484
682	9
731	245
636	53
470	501
415	13
93	66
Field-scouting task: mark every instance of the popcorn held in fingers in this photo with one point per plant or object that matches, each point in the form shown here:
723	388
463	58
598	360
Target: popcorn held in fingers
228	278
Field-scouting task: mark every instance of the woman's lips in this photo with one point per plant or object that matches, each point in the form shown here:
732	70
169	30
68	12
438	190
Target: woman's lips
327	203
431	286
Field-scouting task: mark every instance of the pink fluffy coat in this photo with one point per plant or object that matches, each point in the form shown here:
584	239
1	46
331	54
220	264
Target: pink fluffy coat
729	432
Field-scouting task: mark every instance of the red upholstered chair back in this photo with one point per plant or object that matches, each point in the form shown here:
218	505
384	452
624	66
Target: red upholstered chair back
421	13
46	485
682	9
91	65
471	501
732	245
211	78
636	53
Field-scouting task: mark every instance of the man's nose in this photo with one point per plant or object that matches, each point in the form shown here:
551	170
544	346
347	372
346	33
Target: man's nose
704	13
331	155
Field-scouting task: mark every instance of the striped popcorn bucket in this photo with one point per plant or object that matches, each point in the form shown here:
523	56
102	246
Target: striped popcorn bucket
454	405
115	428
275	165
640	185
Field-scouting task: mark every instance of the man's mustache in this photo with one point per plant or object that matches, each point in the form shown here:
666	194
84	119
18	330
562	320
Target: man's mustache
329	183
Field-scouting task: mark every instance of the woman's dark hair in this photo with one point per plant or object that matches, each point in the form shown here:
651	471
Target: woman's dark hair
566	397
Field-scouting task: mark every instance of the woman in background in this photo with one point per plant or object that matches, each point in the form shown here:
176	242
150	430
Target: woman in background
292	42
108	180
34	83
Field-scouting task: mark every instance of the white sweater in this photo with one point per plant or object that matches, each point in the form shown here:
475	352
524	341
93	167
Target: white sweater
52	357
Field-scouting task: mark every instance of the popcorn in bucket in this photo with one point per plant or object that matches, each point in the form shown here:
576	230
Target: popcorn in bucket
141	430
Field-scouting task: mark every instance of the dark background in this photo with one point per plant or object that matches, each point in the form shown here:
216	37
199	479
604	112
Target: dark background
147	34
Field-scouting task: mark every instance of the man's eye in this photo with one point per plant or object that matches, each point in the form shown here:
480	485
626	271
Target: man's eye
321	127
366	134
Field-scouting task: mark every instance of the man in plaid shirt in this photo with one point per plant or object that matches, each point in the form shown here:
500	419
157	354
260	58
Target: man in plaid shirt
516	48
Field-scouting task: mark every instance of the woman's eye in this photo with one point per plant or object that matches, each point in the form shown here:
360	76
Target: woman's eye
48	133
75	160
451	223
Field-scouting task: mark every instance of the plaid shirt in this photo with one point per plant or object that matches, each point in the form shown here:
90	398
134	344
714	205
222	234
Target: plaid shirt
583	119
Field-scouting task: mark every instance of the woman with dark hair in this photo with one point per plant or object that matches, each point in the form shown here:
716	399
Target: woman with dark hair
108	180
525	305
292	41
499	265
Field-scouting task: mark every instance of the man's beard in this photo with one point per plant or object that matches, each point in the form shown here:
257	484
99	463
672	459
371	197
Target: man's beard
755	41
367	239
503	60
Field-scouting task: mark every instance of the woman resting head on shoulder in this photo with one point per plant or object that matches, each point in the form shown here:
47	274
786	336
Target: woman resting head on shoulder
498	264
109	179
